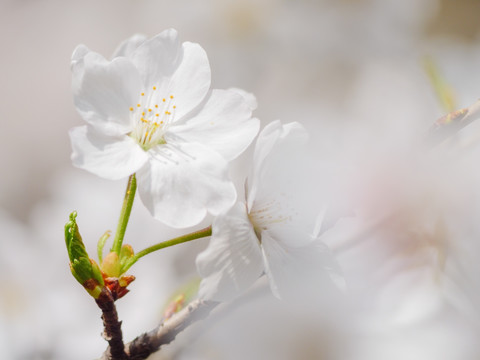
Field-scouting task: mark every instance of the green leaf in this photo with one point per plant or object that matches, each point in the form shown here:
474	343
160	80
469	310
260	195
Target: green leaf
97	273
84	269
73	240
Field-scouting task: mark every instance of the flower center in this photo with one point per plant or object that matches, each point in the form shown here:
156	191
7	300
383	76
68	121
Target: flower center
264	215
151	118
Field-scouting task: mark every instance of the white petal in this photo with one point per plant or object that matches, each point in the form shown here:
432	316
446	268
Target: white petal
182	71
320	221
223	123
281	188
127	47
276	150
158	58
308	272
233	260
108	157
249	97
78	55
104	90
183	182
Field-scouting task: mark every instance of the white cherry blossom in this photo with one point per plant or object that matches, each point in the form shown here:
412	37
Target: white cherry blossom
150	111
274	230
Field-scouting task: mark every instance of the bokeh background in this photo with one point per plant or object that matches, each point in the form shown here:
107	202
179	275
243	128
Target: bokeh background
336	66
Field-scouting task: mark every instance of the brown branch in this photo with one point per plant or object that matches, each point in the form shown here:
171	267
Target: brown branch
148	343
112	327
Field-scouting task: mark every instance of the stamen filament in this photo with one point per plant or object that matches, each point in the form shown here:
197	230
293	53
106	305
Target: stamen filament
148	131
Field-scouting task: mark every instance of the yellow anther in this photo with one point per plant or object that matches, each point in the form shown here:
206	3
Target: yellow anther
171	96
161	122
174	107
163	100
156	105
143	113
149	110
167	113
143	94
131	108
157	115
154	88
138	105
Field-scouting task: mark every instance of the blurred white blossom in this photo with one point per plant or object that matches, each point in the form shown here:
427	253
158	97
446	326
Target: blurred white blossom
271	231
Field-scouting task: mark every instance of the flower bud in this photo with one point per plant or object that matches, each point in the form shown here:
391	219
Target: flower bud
126	251
125	254
111	265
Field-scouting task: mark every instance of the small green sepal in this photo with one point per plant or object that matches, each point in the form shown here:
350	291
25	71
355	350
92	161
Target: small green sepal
101	244
126	253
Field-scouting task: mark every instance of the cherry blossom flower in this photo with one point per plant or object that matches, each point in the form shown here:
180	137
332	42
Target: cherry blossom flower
273	230
150	111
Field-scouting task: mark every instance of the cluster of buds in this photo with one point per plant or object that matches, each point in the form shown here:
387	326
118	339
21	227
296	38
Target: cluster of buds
92	277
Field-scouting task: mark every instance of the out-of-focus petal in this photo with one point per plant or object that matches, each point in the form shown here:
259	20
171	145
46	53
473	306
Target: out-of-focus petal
108	157
281	184
278	149
301	272
233	260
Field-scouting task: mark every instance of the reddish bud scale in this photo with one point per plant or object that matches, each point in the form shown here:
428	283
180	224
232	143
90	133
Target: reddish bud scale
118	287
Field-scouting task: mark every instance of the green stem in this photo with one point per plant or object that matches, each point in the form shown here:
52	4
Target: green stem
125	214
175	241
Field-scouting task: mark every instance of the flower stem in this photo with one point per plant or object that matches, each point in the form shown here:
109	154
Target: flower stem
175	241
125	214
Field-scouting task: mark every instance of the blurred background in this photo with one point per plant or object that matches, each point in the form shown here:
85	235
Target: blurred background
333	65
